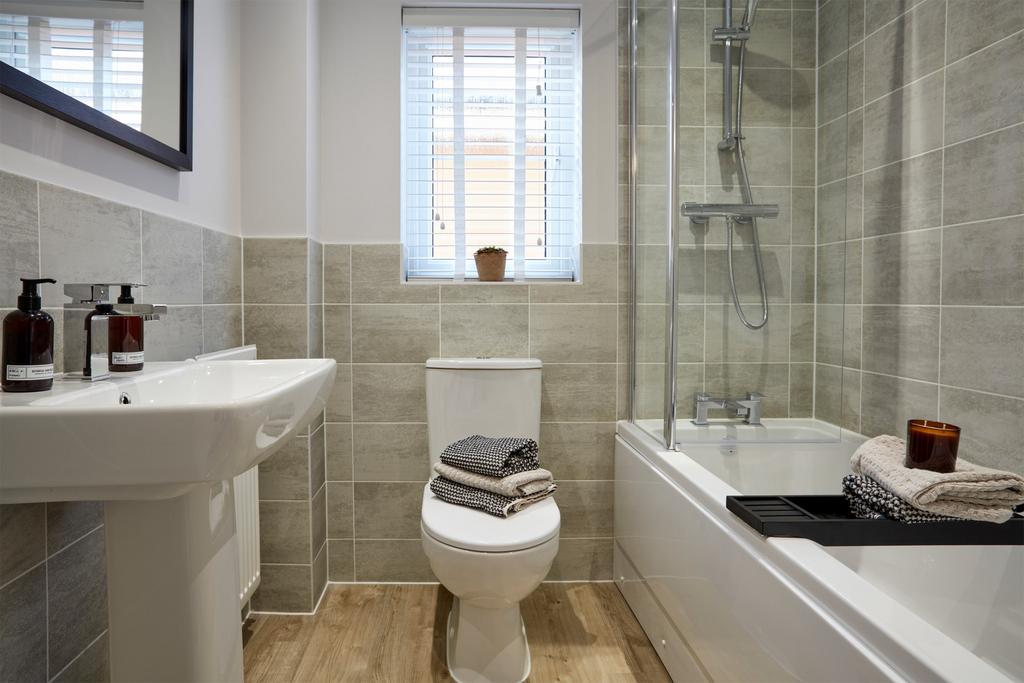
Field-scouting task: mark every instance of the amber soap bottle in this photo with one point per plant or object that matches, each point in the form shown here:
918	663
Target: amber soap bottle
28	342
126	343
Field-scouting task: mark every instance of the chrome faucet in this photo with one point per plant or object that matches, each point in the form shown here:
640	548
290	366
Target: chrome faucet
748	408
85	328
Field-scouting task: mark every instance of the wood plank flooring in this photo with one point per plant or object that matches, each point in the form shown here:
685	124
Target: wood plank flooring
579	633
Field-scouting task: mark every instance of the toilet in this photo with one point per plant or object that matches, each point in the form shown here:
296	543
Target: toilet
489	564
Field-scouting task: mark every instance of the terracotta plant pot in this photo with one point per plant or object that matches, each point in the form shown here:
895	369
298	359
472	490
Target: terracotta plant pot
490	266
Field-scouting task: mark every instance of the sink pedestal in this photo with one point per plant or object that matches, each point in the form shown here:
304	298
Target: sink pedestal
172	568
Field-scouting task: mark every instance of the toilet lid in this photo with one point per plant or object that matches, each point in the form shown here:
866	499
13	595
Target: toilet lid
470	529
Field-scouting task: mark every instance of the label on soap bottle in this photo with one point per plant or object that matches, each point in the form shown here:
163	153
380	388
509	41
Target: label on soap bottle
29	373
127	358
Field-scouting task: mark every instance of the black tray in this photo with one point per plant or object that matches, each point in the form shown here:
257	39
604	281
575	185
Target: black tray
827	520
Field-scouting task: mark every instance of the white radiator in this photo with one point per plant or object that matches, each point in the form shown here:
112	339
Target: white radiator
247	506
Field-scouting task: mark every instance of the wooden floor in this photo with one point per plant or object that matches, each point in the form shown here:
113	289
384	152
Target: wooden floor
578	632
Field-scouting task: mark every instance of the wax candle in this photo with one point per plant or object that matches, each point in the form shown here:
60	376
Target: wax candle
932	445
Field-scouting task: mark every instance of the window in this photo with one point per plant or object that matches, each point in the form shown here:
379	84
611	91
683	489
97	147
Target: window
491	140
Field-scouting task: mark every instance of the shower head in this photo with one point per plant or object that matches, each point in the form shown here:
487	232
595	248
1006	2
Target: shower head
748	14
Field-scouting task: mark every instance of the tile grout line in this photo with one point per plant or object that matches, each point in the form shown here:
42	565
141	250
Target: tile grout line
942	202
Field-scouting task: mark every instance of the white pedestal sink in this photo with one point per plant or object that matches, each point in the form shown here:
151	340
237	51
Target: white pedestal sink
161	448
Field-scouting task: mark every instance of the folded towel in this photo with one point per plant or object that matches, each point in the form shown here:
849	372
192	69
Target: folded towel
869	500
514	485
492	503
494	457
969	492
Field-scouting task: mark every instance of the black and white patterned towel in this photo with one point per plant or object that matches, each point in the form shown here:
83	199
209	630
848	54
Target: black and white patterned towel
493	456
492	503
870	500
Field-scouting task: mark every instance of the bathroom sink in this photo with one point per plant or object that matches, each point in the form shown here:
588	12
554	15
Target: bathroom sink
153	435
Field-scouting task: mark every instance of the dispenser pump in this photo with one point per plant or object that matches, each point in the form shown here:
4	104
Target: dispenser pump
126	295
29	299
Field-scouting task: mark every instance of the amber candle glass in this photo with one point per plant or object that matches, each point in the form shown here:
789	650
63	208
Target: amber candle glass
931	445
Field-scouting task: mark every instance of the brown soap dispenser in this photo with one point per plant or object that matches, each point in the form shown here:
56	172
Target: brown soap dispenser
125	341
28	342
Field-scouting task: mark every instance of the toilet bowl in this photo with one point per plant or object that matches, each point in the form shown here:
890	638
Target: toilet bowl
489	564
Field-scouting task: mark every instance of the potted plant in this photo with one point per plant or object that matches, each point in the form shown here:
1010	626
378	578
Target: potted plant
490	263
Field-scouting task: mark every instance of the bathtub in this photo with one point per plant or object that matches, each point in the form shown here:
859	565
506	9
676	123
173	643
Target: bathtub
721	603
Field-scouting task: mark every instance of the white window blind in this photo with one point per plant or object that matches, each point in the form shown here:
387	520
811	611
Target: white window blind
491	141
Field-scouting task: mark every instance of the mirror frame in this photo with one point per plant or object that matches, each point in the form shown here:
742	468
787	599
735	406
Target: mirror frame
36	93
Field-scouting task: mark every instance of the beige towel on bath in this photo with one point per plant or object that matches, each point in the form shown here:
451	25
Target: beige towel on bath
969	492
514	485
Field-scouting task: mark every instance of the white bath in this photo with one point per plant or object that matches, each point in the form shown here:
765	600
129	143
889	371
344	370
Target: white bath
722	603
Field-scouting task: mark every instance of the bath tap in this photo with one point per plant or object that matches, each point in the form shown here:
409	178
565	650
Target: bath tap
748	408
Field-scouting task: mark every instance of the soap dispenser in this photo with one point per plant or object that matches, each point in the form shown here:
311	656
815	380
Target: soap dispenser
28	342
125	341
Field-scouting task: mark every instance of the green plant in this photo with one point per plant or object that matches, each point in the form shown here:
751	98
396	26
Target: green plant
491	250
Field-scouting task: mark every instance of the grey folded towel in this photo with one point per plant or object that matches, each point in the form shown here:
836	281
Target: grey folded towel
492	456
514	485
492	503
869	500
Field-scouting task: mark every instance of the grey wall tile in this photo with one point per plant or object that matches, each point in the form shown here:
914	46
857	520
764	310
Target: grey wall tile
983	177
76	595
318	458
485	293
838	336
650	325
837	396
992	427
839	273
802	229
981	349
222	268
284	588
377	277
391	560
902	269
86	239
582	559
275	270
802	275
497	330
982	263
339	510
855	77
982	91
586	508
222	327
315	330
905	49
22	539
598	284
903	196
904	123
801	390
319	575
832	150
178	334
19	234
767	100
172	261
729	340
902	340
833	30
801	340
579	334
341	560
395	333
389	393
804	39
833	201
578	450
338	443
315	272
338	332
285	475
337	273
776	263
578	393
832	90
68	522
339	405
975	24
318	521
880	12
888	402
284	532
277	331
91	665
390	452
388	509
23	628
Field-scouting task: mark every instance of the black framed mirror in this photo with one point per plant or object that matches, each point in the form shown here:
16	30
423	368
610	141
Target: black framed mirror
121	69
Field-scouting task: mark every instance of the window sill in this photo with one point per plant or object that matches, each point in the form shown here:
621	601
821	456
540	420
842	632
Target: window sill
476	282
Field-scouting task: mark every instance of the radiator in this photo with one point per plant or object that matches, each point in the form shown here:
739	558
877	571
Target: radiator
247	506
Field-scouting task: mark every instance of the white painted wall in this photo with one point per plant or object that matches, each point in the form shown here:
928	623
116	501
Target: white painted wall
360	119
39	146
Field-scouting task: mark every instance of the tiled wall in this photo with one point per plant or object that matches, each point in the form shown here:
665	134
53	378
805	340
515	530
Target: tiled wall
53	590
934	223
716	353
381	332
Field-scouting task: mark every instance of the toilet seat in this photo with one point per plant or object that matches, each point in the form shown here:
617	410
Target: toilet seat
469	529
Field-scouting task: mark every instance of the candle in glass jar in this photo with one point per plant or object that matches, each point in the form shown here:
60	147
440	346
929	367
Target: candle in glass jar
931	445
